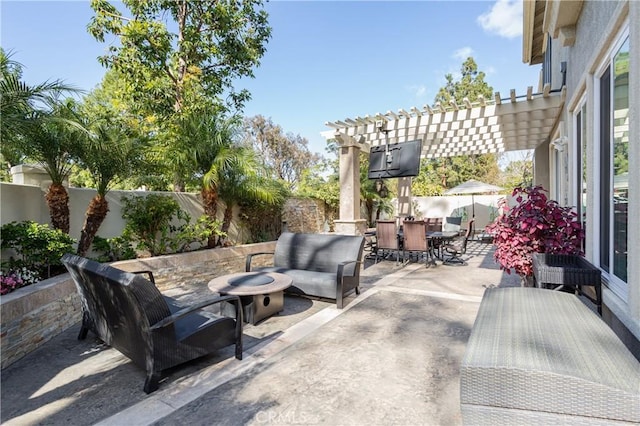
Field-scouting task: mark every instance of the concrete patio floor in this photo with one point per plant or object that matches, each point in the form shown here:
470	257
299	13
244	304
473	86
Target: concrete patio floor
391	356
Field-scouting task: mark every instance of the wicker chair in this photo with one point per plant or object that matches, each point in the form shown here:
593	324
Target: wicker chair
128	312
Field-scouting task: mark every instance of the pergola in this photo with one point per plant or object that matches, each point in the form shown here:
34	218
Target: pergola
486	126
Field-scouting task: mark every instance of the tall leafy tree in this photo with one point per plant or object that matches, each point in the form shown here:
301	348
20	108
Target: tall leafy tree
437	175
226	170
168	47
175	55
470	84
287	155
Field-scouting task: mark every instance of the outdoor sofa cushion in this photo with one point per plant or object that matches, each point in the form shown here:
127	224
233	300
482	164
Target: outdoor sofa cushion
538	356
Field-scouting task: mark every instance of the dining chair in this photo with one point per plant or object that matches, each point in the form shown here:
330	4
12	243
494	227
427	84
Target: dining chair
387	239
456	248
434	224
452	223
415	240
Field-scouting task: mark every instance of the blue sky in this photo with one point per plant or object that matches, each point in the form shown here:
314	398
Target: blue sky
326	60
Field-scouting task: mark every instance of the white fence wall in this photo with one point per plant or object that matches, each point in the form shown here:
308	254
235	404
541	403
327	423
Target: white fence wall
486	207
26	202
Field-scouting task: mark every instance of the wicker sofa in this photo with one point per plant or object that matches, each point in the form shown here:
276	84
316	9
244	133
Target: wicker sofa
321	265
542	357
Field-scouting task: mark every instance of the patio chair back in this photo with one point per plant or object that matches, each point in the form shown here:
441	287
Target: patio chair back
112	306
387	235
128	312
452	224
434	224
415	239
318	252
415	236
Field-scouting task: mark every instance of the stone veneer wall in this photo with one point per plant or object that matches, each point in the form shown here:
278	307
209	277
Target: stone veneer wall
307	215
32	315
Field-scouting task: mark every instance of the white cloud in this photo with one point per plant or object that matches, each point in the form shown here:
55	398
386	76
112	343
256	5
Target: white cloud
489	70
504	18
463	53
419	91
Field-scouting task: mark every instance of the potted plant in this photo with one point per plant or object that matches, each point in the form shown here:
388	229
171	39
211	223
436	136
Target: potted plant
534	225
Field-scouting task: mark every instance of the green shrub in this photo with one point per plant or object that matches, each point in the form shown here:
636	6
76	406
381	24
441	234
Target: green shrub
158	225
38	249
112	249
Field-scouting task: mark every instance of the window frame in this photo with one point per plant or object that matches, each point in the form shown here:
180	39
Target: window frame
603	173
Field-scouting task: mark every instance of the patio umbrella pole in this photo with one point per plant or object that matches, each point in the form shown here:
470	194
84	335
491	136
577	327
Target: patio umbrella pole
473	216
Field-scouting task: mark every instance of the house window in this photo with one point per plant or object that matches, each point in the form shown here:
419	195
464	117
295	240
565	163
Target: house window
546	64
580	124
614	166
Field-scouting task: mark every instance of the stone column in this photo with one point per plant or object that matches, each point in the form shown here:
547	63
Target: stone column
350	222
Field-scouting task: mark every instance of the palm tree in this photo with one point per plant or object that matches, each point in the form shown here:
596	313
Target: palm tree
18	100
373	202
111	152
206	143
244	179
49	140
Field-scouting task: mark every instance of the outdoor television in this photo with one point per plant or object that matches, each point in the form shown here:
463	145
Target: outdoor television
393	161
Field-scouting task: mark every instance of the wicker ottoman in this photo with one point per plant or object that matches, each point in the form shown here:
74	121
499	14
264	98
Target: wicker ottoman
542	357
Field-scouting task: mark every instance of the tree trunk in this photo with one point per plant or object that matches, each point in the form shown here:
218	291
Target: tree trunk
210	205
369	206
58	203
226	221
96	212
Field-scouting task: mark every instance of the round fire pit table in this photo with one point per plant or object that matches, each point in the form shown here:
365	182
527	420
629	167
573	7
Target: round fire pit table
261	293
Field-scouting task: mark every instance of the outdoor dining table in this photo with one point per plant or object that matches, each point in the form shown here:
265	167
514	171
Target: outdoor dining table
434	238
437	238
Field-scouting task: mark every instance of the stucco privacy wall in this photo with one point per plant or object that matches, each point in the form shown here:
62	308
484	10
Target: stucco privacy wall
33	315
26	202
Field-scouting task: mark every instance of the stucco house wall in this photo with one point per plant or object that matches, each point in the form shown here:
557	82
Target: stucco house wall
597	28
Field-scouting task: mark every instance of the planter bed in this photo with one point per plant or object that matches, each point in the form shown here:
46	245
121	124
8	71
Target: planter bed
32	315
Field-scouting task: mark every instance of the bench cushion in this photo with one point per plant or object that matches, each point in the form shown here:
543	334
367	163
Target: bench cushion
321	284
541	351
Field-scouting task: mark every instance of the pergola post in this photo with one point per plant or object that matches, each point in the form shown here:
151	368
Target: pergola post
350	222
404	197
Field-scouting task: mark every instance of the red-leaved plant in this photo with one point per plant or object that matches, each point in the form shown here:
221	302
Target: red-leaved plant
534	225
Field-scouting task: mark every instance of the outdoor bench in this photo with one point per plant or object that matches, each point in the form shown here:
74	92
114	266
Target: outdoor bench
320	265
542	357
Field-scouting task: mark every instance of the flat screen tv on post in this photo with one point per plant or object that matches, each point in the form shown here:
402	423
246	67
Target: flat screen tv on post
393	161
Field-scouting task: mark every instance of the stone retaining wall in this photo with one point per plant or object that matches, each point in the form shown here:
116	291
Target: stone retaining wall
307	215
32	315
